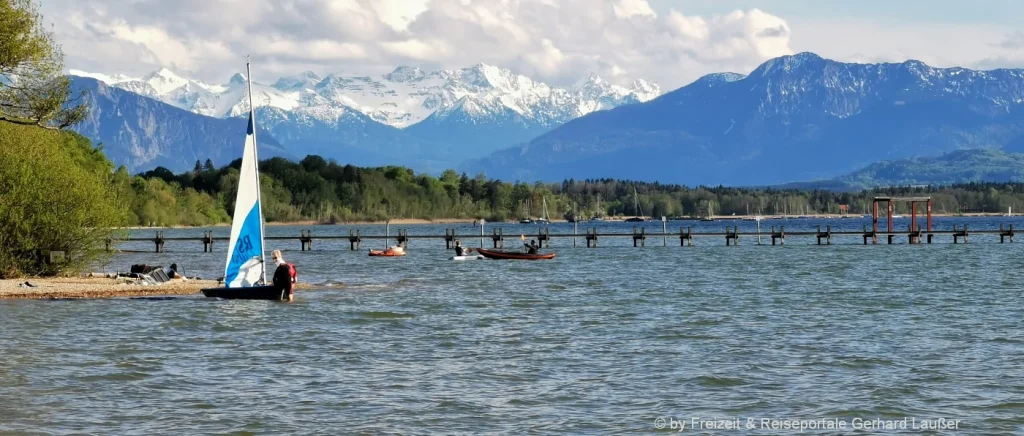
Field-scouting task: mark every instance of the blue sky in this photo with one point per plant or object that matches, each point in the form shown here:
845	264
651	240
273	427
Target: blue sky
671	42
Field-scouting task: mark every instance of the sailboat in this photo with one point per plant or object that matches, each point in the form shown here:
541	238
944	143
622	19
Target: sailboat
544	212
711	214
636	205
529	210
245	272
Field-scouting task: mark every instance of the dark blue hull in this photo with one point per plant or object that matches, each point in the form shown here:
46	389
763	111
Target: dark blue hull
253	293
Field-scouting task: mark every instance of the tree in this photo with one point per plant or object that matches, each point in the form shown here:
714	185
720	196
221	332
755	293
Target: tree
33	90
199	167
208	166
70	204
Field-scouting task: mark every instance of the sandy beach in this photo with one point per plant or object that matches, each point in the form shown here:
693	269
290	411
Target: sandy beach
103	287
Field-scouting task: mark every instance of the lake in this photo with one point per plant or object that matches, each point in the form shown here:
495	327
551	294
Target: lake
612	340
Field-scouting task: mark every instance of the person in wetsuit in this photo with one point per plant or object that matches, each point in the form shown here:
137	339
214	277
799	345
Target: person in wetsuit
532	247
283	277
460	250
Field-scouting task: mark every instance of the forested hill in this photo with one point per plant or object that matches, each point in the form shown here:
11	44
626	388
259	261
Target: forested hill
316	189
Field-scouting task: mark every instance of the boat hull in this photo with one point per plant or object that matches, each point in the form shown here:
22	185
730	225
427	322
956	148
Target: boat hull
380	253
495	254
252	293
468	257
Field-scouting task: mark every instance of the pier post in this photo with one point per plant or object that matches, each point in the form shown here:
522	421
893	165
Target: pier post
306	240
641	236
592	237
733	236
544	237
354	240
387	228
664	231
758	219
482	222
959	233
498	237
449	239
685	237
575	228
207	242
159	240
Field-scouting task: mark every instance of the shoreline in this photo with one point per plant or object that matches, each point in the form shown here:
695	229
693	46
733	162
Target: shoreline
98	286
423	221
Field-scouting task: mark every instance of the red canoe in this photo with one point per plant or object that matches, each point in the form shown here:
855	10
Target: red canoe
495	254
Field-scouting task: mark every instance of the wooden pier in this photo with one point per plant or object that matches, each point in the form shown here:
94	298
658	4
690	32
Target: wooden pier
731	236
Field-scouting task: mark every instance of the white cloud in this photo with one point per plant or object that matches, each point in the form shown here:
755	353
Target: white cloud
629	8
557	41
552	40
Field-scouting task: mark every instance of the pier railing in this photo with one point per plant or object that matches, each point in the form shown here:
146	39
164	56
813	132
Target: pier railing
731	235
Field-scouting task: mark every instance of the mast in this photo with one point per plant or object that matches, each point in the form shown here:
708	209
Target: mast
636	202
256	162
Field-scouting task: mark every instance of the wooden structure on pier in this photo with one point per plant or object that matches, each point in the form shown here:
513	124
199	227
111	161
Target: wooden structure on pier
914	233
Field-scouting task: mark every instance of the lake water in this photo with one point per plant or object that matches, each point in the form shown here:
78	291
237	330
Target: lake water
613	340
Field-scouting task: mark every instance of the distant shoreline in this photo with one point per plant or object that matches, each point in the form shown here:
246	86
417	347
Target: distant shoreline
414	221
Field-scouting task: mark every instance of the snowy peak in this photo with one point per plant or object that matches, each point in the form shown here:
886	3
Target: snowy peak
405	74
237	79
164	81
405	96
304	80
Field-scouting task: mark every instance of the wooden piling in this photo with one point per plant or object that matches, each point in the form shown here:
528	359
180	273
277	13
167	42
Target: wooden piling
159	241
498	237
685	237
592	237
639	236
544	237
354	240
207	242
733	236
306	240
449	239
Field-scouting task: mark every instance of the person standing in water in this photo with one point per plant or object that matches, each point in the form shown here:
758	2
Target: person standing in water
284	276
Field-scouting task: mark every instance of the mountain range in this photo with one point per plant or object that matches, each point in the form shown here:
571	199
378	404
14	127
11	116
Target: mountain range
433	120
793	118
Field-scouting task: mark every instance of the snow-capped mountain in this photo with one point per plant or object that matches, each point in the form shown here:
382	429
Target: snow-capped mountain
402	98
793	118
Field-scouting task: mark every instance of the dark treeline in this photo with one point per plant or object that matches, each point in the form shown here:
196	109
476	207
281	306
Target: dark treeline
316	189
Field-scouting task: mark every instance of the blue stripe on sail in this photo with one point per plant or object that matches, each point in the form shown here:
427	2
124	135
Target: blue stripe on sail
248	244
251	127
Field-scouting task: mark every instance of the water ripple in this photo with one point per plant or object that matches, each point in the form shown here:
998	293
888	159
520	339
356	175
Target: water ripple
595	342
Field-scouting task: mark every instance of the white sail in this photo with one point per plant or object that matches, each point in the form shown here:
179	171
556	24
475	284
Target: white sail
245	264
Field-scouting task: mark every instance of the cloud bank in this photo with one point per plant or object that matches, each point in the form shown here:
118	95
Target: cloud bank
552	40
558	41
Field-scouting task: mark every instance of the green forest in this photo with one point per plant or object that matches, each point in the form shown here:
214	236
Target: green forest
329	192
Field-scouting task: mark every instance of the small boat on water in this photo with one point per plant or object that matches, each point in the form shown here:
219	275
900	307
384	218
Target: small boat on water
467	257
497	254
245	272
636	207
390	252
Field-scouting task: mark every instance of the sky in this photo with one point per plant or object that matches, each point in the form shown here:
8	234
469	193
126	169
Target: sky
671	42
